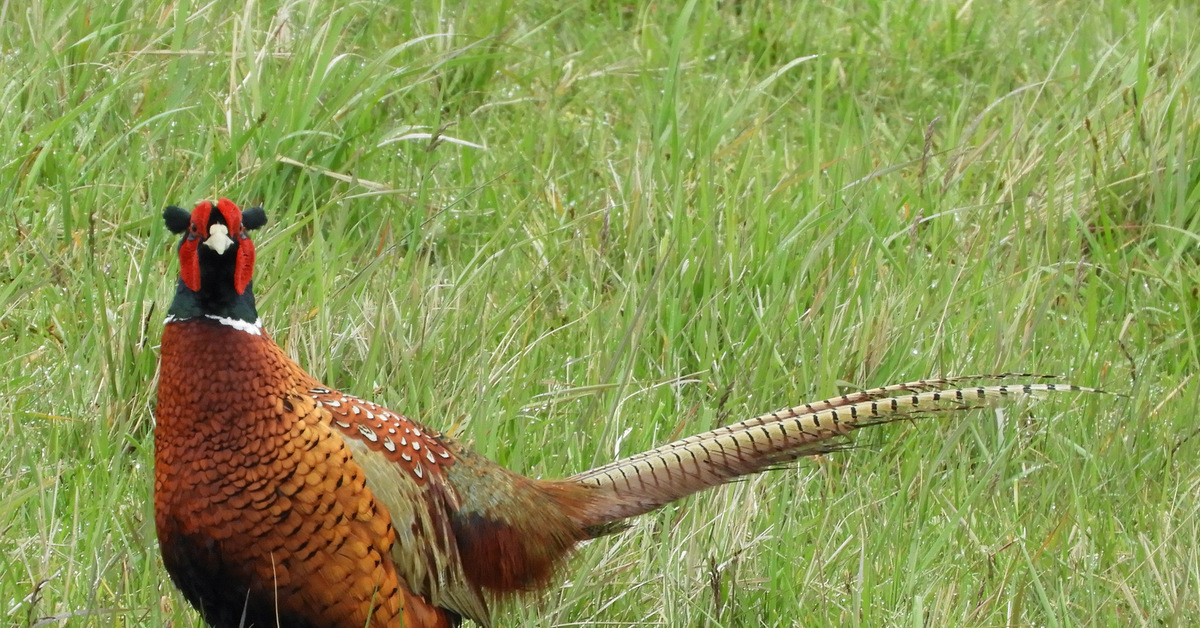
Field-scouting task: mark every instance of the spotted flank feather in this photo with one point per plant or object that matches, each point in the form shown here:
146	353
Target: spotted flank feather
401	440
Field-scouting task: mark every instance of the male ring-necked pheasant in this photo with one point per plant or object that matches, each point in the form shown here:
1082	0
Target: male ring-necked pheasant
281	502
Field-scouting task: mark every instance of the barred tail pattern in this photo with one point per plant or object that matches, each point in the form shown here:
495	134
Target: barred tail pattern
644	482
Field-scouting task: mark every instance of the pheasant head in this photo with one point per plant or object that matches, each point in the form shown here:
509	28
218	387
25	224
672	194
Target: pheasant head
216	261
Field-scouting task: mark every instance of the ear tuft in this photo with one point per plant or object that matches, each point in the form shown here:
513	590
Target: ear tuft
177	219
254	218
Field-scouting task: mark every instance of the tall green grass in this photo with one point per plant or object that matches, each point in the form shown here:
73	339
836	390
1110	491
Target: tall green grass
568	232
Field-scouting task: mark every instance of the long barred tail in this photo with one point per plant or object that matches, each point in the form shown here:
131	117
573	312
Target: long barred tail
646	481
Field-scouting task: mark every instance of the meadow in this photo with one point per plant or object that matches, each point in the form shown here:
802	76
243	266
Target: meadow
569	231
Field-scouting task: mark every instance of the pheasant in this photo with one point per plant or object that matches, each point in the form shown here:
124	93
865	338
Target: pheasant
282	502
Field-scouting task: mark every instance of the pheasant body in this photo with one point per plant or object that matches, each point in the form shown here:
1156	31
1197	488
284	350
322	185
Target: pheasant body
253	489
279	501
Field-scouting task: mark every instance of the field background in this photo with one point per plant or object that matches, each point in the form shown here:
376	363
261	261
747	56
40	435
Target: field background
568	231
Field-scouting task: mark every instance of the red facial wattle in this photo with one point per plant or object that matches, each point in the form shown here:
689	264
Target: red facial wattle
189	263
189	253
243	270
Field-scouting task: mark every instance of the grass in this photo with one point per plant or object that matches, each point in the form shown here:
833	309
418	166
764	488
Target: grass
572	231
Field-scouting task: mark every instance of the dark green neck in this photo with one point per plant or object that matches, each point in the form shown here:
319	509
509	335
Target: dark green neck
214	299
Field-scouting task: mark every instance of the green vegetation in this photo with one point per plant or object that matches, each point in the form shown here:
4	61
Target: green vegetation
569	231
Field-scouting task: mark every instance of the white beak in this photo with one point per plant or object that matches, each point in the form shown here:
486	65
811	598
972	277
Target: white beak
218	239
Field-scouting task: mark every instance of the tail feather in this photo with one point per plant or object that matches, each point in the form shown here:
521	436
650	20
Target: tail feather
644	482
